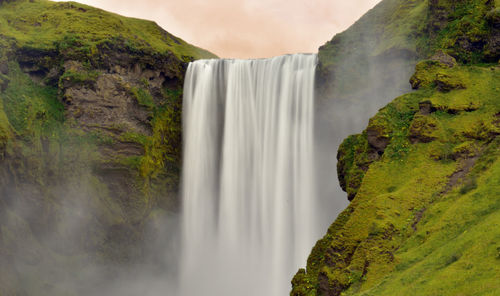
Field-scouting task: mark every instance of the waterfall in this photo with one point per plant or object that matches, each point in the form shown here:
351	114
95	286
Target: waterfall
248	194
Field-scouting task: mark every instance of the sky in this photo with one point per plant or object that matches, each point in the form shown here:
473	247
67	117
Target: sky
247	28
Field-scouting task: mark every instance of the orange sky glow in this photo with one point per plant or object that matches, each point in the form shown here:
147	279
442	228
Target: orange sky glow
246	28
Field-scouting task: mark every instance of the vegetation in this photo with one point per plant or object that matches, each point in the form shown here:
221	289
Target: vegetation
90	126
47	25
423	176
430	228
427	229
388	40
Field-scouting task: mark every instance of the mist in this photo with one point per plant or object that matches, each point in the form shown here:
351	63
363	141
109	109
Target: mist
69	250
74	236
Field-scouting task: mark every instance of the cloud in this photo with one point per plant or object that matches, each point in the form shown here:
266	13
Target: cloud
247	28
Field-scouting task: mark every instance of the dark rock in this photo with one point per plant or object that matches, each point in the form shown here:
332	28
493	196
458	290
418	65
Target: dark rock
444	58
426	107
108	105
377	139
328	288
4	83
4	68
438	16
492	50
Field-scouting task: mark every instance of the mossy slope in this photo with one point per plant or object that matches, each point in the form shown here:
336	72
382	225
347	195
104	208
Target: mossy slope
423	176
90	142
384	45
44	24
422	219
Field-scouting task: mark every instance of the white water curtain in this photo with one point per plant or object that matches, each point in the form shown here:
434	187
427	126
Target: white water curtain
249	203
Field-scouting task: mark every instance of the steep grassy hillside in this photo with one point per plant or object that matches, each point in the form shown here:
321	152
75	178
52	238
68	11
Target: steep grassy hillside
370	63
90	140
47	25
424	175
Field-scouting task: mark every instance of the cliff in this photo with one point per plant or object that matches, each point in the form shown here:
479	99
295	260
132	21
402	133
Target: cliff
423	177
89	140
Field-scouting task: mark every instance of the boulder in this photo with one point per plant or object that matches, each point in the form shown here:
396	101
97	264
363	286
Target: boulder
444	59
423	129
446	83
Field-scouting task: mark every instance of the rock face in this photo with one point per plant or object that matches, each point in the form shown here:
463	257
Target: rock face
422	172
90	142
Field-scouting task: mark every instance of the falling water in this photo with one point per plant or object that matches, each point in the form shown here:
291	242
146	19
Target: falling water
249	201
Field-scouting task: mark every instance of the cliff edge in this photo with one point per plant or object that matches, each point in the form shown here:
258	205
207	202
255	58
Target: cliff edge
90	141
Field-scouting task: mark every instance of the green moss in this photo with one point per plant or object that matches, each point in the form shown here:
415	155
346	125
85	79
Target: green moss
100	138
5	128
64	25
393	25
133	162
399	116
466	29
460	240
412	229
469	185
352	163
135	138
29	106
424	129
79	77
163	148
430	73
467	149
143	97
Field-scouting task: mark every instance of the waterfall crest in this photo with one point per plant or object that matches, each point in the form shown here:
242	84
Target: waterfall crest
248	194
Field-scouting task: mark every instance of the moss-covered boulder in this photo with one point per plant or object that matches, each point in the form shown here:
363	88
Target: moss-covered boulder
424	129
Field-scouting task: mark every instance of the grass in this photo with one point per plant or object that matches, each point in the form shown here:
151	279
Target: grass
79	77
394	35
60	160
458	254
33	113
30	106
143	97
79	32
49	25
418	237
390	25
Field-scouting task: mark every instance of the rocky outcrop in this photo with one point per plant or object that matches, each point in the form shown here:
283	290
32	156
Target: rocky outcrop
90	142
492	50
423	129
444	59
